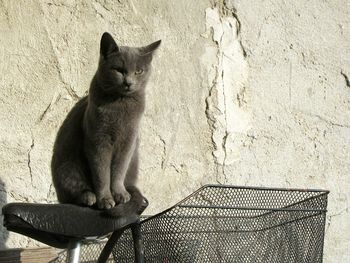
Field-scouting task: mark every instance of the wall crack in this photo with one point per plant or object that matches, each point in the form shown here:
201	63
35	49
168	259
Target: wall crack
329	122
66	86
164	154
29	161
347	82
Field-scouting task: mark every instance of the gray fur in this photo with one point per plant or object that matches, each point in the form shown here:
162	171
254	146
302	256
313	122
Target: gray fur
95	156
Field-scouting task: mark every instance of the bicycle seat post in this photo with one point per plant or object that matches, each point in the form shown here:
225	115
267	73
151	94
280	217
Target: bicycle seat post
73	251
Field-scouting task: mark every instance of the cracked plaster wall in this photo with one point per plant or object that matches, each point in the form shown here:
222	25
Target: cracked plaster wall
243	92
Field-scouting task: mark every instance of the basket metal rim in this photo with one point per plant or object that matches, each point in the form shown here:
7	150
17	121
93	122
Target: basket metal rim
252	208
322	192
266	188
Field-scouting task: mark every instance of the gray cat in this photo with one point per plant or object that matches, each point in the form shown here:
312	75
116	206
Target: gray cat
95	156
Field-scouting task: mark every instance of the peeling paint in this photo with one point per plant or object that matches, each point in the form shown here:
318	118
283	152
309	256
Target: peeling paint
227	94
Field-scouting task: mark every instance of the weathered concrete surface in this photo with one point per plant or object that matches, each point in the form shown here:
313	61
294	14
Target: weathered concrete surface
49	53
298	54
243	92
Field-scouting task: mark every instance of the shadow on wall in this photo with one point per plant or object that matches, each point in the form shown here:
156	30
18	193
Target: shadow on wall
3	201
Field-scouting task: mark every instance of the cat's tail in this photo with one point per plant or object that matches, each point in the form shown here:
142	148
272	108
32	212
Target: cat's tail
135	206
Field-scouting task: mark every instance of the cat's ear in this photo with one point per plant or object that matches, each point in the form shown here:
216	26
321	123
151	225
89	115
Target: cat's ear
108	45
150	48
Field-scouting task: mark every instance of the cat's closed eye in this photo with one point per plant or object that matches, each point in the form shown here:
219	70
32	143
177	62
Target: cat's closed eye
120	70
138	71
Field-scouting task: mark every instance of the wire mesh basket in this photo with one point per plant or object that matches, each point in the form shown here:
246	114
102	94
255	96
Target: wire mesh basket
234	224
228	224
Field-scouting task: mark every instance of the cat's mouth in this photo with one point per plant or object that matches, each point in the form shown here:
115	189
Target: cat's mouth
127	90
123	90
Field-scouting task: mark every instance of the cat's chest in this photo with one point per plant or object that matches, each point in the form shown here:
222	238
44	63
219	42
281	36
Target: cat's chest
117	123
113	122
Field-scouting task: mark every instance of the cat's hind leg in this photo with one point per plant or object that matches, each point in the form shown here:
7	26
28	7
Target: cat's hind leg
72	186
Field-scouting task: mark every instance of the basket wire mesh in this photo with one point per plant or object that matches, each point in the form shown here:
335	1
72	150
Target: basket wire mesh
234	224
229	224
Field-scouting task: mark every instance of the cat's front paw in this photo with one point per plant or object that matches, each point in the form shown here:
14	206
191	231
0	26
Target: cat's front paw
121	197
105	203
87	198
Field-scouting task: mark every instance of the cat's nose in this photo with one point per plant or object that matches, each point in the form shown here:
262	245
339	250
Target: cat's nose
127	85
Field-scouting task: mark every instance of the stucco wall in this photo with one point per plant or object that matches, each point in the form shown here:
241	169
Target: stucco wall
243	92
